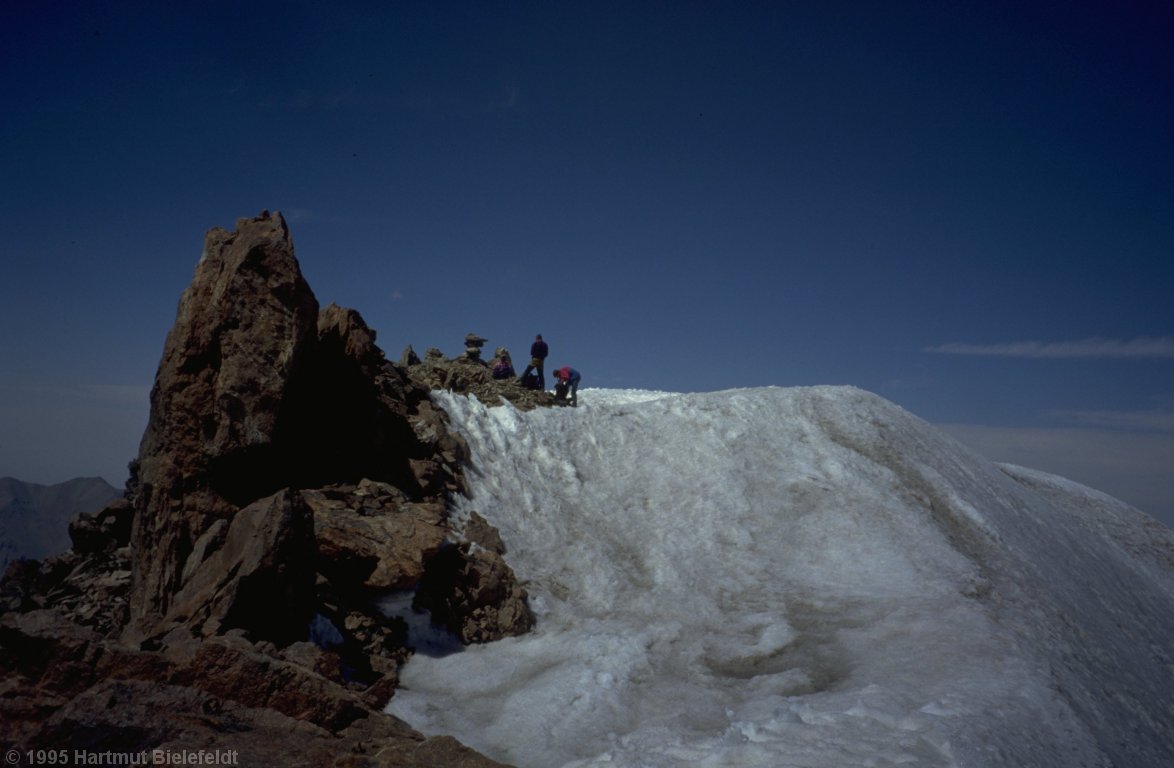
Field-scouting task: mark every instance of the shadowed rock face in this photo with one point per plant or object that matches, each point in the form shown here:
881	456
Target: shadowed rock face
289	474
261	575
350	411
245	325
259	391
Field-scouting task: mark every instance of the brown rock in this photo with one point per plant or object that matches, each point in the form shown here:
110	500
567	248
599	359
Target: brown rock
244	325
258	391
233	669
435	751
469	375
478	531
260	579
474	594
105	530
350	413
408	357
386	550
36	643
88	589
287	470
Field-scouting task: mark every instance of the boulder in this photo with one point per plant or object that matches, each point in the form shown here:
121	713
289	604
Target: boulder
259	578
105	530
232	668
375	543
473	594
409	357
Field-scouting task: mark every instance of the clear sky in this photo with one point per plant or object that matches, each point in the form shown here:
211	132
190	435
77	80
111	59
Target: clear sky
966	206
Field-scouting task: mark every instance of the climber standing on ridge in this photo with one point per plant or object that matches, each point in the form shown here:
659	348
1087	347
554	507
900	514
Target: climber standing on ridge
538	353
567	377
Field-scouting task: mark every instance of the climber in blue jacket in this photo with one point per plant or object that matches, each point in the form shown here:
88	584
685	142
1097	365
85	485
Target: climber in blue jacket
538	353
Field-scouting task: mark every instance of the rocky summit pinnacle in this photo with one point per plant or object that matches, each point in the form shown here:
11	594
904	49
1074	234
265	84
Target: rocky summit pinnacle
244	326
258	393
289	477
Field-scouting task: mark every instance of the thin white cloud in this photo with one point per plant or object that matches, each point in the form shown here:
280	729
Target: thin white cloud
1143	421
1145	347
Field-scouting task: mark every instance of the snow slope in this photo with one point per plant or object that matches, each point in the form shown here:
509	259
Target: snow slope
800	577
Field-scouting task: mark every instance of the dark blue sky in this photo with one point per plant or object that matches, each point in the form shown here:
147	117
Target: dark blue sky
683	196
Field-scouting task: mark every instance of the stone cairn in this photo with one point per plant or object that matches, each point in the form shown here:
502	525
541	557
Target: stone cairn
473	345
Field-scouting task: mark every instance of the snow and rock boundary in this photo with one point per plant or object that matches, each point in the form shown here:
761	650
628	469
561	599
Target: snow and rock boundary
814	573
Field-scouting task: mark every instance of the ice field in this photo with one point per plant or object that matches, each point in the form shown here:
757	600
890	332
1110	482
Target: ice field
800	577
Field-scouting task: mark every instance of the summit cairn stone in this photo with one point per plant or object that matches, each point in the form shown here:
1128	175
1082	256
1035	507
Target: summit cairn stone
473	345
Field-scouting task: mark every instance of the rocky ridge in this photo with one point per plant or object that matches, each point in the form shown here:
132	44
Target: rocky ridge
288	478
468	374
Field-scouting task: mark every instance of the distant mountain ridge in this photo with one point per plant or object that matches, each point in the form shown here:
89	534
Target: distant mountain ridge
34	518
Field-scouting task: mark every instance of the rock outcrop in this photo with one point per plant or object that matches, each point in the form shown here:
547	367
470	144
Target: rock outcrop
259	577
245	326
468	374
288	477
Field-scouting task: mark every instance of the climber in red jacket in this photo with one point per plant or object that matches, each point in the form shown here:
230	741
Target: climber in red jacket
568	378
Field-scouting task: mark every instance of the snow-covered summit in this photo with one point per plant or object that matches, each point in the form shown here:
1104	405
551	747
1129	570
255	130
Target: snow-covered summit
800	577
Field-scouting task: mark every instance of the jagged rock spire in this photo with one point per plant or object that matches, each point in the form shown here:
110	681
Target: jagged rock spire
246	322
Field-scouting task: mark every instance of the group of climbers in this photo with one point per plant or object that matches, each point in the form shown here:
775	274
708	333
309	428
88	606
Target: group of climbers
567	378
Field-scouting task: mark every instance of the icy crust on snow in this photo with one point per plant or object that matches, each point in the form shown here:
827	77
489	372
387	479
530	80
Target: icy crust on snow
1145	542
794	577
